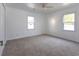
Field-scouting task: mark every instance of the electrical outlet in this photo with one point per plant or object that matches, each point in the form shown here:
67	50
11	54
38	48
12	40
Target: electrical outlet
1	43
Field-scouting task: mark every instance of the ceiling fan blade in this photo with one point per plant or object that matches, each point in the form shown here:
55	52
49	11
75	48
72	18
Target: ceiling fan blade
45	5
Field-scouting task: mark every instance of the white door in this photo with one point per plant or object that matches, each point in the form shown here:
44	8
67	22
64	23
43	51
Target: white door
2	27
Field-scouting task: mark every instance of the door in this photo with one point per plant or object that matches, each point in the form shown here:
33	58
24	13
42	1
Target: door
2	27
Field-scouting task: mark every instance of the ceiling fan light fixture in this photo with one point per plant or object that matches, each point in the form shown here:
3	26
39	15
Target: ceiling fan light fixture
31	5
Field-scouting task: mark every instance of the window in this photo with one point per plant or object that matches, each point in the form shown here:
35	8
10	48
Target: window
69	21
30	22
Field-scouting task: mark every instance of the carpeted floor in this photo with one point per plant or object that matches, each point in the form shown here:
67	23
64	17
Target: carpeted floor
42	45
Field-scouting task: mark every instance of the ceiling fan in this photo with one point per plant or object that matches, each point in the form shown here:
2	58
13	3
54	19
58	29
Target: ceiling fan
45	5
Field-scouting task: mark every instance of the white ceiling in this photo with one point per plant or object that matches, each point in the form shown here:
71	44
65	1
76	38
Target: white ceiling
41	7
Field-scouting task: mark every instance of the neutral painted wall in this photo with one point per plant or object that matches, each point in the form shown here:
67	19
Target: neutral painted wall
16	24
56	27
2	27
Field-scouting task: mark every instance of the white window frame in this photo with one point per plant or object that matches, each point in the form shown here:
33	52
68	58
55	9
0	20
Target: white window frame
72	26
30	22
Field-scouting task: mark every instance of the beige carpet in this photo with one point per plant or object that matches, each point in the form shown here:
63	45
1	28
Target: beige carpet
42	45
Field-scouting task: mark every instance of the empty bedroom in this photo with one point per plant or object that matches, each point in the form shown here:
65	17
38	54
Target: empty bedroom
39	29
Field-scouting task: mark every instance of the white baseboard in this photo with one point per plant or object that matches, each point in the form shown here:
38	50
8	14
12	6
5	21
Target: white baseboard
21	37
